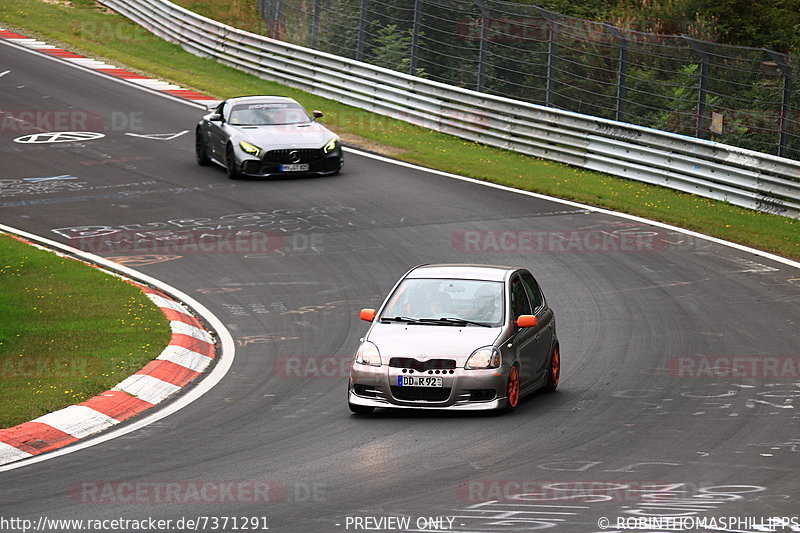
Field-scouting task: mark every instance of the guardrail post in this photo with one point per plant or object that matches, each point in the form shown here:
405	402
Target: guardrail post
485	21
622	73
780	60
362	31
703	89
412	63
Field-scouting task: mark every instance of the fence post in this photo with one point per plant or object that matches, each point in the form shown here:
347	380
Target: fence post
362	30
780	60
412	63
622	73
551	55
485	21
315	24
703	89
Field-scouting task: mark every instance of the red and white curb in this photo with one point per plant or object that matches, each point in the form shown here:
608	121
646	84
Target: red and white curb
105	68
190	351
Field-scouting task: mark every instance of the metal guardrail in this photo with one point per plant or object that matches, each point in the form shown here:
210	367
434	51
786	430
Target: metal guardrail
705	168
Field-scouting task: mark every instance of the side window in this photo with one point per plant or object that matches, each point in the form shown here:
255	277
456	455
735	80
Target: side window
534	292
519	300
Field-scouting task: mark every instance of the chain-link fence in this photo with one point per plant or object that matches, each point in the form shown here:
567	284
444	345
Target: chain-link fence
735	95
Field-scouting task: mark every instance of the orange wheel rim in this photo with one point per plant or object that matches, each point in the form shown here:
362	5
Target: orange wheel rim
513	387
556	366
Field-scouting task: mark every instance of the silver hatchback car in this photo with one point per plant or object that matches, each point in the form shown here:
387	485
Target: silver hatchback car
451	336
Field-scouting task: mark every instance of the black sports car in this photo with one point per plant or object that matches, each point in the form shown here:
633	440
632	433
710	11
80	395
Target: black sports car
262	136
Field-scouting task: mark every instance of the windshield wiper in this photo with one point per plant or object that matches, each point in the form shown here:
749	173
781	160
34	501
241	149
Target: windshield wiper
400	319
454	320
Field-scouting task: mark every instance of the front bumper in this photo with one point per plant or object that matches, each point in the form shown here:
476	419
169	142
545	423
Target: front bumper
373	386
271	163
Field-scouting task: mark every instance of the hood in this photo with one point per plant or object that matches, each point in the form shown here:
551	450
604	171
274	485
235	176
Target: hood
313	135
435	342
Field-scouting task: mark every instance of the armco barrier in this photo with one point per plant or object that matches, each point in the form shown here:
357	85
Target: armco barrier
705	168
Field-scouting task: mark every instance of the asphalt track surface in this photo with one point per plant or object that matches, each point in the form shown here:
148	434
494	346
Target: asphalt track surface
623	437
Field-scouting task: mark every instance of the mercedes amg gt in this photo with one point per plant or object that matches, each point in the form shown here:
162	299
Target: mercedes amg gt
263	136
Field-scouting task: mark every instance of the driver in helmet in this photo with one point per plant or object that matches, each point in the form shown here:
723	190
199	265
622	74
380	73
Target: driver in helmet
487	304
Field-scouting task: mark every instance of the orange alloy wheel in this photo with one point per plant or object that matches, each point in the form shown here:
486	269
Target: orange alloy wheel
513	387
555	367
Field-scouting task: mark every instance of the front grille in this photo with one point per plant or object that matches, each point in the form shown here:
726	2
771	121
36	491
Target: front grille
422	366
428	394
282	156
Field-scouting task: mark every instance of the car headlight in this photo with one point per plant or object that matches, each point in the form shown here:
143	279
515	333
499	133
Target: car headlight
368	354
332	145
486	357
248	148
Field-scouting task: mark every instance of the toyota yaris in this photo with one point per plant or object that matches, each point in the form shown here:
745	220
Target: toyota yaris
456	337
261	136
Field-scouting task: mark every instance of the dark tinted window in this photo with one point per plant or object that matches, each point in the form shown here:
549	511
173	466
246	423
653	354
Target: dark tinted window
519	300
534	293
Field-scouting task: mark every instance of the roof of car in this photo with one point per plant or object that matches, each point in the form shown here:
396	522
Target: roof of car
462	271
261	98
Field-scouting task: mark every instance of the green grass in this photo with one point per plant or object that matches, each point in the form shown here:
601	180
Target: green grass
83	27
68	331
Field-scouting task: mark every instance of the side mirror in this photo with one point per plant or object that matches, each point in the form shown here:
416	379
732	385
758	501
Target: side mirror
526	321
368	315
216	117
317	114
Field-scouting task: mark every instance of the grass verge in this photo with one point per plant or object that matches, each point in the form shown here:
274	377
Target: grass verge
68	331
83	26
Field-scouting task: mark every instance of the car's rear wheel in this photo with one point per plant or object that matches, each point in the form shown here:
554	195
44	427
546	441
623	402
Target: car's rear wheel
200	149
554	372
230	164
512	389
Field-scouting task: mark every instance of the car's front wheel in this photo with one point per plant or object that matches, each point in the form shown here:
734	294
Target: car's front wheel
200	149
230	164
512	389
554	372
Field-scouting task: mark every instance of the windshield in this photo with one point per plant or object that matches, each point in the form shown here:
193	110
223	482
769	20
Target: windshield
471	300
278	114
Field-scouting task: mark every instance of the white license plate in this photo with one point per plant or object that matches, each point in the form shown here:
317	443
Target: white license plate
418	381
294	168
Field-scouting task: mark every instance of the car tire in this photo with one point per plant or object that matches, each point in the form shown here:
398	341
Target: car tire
512	389
554	371
230	164
200	149
360	409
